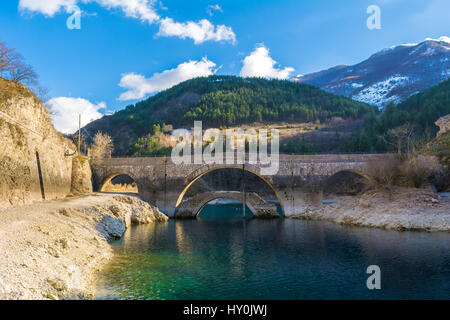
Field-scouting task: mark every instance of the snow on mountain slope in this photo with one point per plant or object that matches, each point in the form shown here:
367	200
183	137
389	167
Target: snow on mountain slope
390	75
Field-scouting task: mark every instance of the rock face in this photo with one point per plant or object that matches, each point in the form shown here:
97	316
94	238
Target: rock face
441	146
142	212
81	175
444	124
33	164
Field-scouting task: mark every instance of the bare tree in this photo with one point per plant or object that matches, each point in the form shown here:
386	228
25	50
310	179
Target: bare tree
13	66
22	73
4	54
83	141
102	147
400	135
43	95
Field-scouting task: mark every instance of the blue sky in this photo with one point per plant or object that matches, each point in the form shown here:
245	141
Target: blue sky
112	60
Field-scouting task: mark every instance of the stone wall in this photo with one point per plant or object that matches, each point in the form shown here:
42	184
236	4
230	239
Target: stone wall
81	175
33	165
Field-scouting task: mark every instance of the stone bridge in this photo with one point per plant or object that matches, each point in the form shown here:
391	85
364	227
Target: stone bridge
298	183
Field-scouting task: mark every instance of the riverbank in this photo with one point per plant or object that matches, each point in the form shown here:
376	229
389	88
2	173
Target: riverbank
396	209
54	249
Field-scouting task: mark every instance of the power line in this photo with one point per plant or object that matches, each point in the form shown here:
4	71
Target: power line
20	124
11	120
87	133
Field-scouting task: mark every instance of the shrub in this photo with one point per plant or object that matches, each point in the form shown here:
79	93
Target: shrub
441	180
441	148
383	171
102	147
416	168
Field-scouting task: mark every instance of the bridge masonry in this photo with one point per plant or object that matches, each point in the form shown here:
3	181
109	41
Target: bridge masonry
298	183
257	205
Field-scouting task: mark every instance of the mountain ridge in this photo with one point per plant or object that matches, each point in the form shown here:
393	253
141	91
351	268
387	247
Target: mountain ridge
389	75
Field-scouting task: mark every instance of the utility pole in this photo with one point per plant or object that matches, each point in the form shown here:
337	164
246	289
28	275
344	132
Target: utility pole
243	188
292	186
165	184
79	134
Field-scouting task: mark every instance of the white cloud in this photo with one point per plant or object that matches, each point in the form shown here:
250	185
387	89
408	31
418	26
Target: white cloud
139	9
198	31
46	7
143	10
260	64
211	8
66	111
138	86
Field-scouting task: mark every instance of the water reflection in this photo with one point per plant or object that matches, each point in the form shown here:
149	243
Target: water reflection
274	259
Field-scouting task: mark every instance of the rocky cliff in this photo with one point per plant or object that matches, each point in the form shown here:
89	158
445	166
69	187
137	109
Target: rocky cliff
444	124
441	145
33	164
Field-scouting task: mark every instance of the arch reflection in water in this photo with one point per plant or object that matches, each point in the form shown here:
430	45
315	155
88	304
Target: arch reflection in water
274	259
224	209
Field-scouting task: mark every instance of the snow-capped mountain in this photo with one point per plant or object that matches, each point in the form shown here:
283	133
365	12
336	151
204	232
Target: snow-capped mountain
390	75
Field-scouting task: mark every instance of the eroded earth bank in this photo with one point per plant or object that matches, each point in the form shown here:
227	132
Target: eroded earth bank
53	250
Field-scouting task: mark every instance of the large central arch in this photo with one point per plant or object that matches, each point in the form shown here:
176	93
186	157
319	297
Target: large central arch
199	173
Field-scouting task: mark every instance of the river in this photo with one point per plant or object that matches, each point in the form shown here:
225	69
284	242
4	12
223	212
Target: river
235	258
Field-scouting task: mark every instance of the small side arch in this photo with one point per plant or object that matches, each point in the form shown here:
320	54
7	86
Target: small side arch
127	185
347	182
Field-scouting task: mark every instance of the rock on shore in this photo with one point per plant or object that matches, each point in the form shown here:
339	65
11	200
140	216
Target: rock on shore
397	209
53	250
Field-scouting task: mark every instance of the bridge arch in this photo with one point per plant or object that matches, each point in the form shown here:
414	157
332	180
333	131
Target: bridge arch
348	182
108	180
202	171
